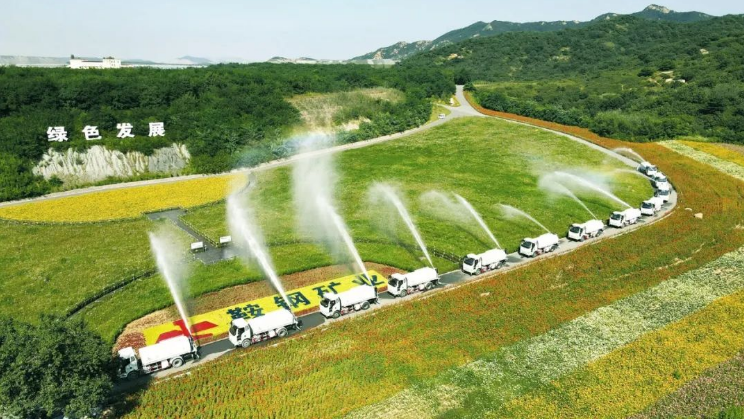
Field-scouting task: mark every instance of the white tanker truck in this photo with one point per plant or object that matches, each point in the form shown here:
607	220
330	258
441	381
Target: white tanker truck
487	261
423	279
274	324
589	229
620	219
651	206
548	242
162	355
334	305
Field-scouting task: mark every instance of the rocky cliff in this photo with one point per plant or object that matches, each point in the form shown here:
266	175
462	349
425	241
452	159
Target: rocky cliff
98	163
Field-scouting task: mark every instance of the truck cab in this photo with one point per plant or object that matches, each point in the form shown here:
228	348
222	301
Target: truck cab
239	332
651	206
129	366
659	180
617	219
664	194
528	247
471	264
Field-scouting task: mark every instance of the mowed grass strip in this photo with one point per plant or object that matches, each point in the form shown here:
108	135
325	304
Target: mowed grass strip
628	380
365	360
125	202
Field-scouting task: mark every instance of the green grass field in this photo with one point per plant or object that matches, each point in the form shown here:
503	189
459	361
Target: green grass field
487	161
51	268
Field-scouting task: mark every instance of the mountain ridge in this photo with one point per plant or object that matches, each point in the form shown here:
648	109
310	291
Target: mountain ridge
403	49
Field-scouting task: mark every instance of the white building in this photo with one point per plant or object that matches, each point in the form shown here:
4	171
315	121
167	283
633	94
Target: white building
108	62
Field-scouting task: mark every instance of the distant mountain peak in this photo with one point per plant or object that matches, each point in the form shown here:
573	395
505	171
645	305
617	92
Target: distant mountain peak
657	8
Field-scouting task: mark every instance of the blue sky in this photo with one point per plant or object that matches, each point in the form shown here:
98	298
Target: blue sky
250	30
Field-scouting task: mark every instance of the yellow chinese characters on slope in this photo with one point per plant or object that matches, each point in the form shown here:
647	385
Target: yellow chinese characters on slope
217	322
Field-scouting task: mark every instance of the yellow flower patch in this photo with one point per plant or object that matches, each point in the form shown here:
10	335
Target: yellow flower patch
635	376
717	150
125	202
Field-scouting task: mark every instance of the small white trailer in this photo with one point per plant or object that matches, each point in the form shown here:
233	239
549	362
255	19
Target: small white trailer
651	206
358	298
273	324
487	261
648	169
424	279
548	242
620	219
168	353
587	230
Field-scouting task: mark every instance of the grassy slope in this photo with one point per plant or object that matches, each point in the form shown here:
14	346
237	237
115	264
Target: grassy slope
326	111
486	161
364	166
48	269
394	349
107	253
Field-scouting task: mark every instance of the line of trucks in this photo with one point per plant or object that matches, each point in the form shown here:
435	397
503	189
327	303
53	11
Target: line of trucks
174	351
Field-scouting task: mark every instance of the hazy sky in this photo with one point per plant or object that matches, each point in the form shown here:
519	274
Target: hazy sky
250	30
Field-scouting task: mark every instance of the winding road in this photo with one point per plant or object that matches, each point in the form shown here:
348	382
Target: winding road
449	280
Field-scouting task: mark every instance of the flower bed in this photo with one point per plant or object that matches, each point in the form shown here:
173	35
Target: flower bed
727	166
706	395
123	203
517	369
635	376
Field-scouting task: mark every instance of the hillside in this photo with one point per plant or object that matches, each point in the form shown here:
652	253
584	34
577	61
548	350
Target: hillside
227	116
625	76
401	50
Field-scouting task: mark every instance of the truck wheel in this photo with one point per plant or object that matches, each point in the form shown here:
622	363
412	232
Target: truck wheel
132	375
501	265
553	249
403	292
365	305
429	286
336	315
281	332
245	343
600	232
177	362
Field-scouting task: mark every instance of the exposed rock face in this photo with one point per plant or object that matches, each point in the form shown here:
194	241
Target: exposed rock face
98	163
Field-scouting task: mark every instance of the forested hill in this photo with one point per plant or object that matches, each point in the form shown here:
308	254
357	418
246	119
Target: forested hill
624	76
622	42
403	50
227	115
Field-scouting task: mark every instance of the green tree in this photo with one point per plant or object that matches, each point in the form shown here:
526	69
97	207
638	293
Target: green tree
52	367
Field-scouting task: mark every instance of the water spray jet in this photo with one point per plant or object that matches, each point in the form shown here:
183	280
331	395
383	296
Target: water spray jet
170	268
478	218
242	226
389	193
511	211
